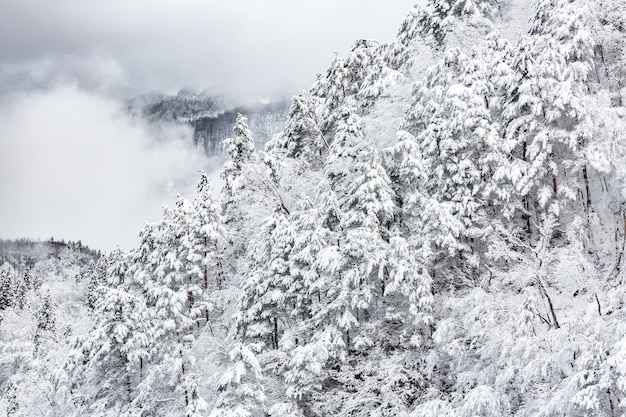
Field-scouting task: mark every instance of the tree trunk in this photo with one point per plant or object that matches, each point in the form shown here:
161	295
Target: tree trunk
587	192
182	369
544	292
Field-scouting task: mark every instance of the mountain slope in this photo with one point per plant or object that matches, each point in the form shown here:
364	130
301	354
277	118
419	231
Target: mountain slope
438	230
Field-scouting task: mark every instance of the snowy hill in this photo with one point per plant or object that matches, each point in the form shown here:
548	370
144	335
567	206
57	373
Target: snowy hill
43	303
438	230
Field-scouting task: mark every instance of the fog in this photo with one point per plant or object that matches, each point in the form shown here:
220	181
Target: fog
74	166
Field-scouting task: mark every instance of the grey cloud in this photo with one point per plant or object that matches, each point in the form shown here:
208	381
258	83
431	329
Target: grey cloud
243	46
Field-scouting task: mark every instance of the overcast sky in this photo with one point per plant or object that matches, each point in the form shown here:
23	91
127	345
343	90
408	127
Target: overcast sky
73	165
251	47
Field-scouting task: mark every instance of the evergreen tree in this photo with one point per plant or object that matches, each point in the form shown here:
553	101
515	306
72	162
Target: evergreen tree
7	291
398	53
608	25
171	298
96	278
240	148
241	391
445	11
10	395
301	137
21	291
264	309
109	362
27	278
547	119
206	240
458	149
46	320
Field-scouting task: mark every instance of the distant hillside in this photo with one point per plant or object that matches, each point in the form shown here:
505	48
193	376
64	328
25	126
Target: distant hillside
26	254
211	117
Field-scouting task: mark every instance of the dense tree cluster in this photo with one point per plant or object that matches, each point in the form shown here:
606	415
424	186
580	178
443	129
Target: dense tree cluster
475	267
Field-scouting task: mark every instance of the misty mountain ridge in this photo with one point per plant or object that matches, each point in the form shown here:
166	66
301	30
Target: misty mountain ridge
210	116
438	229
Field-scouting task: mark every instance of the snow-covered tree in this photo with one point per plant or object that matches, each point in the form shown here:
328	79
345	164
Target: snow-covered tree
7	294
445	11
264	311
454	157
207	239
109	361
546	116
250	191
240	387
240	147
301	137
46	320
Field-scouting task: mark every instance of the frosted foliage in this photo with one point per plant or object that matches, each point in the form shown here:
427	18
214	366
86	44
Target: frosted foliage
483	401
433	408
111	352
308	364
474	267
458	144
7	293
444	12
358	79
240	386
156	302
264	301
548	118
240	147
241	150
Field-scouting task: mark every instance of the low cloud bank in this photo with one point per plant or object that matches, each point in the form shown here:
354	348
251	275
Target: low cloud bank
74	165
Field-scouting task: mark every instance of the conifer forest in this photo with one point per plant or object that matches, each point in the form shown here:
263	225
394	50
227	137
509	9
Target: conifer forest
438	230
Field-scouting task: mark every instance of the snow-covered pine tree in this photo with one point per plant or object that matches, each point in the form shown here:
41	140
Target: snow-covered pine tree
206	242
546	116
250	193
264	314
240	387
445	11
7	294
368	215
241	150
109	361
171	297
398	53
458	149
330	89
97	277
21	291
355	81
610	59
46	320
347	144
301	137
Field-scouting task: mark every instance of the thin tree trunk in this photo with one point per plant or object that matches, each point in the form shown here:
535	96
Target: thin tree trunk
620	255
526	214
182	368
275	333
587	191
543	290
